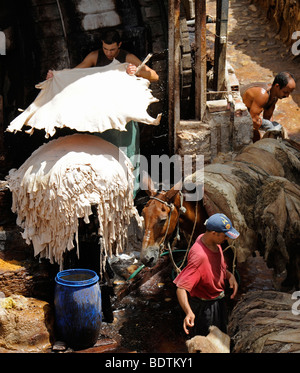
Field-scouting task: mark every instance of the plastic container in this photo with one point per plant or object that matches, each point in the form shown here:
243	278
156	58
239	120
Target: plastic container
77	303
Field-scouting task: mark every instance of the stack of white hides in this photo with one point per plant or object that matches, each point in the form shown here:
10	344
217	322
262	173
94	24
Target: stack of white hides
60	182
94	99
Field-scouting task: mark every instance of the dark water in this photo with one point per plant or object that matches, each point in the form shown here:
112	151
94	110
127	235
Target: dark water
78	277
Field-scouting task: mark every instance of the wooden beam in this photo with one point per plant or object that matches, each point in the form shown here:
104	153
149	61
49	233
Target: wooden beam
1	124
200	58
174	72
220	44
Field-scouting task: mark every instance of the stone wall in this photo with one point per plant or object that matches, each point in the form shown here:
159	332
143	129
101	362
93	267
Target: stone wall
226	126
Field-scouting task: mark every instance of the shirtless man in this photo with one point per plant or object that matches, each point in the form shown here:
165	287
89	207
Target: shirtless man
262	98
111	49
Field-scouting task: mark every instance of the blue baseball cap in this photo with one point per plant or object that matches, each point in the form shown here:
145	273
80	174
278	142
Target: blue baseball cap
221	223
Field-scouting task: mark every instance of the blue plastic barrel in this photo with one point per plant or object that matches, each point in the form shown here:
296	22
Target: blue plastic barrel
77	303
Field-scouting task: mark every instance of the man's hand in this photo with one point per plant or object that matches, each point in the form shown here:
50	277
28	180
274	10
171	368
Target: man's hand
131	69
232	284
188	322
49	74
189	319
257	123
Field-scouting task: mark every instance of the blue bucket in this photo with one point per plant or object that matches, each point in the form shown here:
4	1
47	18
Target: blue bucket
77	303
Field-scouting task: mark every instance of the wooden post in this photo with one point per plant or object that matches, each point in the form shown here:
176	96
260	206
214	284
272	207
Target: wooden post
200	58
174	72
1	125
220	45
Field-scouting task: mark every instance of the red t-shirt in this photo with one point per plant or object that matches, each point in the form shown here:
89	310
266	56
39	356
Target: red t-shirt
205	274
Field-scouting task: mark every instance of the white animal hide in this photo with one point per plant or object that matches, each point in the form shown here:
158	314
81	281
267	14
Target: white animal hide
94	99
60	182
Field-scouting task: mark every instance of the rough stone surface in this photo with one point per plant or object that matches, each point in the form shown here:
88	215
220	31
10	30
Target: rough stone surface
194	138
226	125
26	277
26	324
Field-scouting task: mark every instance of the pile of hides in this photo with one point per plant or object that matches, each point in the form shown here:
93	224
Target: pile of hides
263	322
94	99
60	182
259	190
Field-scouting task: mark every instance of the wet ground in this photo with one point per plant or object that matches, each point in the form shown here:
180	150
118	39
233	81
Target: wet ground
146	314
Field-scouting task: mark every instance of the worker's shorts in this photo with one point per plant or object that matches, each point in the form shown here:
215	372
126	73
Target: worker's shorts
207	313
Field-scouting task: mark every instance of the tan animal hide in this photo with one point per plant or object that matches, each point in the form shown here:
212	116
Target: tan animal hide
215	342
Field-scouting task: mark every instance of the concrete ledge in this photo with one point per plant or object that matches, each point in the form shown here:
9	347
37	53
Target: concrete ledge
192	125
217	106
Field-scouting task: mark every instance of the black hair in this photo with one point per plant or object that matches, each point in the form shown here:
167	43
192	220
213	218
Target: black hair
111	36
283	78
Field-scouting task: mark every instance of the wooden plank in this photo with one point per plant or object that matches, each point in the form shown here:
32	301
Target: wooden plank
177	72
171	45
200	58
1	125
174	72
220	44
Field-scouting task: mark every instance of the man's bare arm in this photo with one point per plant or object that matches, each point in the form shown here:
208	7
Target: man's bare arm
146	72
268	114
255	112
184	303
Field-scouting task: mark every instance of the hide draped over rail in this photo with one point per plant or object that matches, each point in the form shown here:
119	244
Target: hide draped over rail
93	99
60	182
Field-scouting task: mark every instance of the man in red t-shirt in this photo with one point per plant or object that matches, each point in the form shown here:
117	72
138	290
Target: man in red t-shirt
201	284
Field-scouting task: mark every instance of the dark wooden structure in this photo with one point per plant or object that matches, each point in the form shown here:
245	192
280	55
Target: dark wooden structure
200	61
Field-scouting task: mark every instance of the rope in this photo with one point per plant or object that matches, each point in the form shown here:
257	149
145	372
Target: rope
161	201
162	242
143	265
234	255
176	266
178	269
171	207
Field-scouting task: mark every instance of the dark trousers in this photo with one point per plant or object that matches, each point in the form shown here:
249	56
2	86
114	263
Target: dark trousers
207	313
